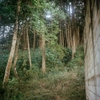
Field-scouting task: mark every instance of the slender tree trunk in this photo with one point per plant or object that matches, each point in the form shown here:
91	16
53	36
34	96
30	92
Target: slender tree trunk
3	35
68	43
15	61
40	41
70	35
75	40
62	38
73	45
43	55
28	44
34	40
12	51
16	55
73	31
66	33
24	43
60	42
24	39
78	37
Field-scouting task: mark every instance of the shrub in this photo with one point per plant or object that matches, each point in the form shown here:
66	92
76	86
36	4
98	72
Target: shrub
68	55
78	60
3	61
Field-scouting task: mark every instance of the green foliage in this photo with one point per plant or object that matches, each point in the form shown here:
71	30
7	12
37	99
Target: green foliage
3	61
12	91
2	93
7	11
57	83
80	52
54	56
68	56
78	60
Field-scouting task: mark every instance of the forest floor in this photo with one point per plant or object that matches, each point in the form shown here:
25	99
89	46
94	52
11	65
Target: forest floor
58	85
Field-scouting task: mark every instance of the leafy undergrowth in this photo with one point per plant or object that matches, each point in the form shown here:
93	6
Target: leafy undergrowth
56	85
63	85
59	83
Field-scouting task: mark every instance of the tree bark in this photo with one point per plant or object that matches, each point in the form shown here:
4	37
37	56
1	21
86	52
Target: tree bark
24	37
60	42
16	55
43	55
12	51
73	45
62	37
34	40
28	44
68	42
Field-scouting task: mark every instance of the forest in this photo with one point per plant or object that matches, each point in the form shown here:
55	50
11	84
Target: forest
42	50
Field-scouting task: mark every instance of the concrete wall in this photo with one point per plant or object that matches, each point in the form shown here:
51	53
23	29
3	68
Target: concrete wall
92	49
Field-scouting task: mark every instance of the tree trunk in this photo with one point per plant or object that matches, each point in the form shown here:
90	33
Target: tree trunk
62	37
70	36
3	35
24	37
43	55
60	42
73	45
34	40
16	55
68	42
28	44
40	41
66	33
78	36
12	51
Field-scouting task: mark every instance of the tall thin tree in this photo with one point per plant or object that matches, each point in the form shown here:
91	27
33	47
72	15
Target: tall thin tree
12	51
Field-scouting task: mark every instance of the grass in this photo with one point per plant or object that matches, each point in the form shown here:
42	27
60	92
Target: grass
59	83
63	85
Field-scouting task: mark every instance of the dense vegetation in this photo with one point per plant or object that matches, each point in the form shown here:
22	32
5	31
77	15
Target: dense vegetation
61	82
41	50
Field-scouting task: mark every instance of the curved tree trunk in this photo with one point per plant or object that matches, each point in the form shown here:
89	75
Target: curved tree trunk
16	55
12	51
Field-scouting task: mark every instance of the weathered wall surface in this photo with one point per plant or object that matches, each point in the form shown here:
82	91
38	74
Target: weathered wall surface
92	49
